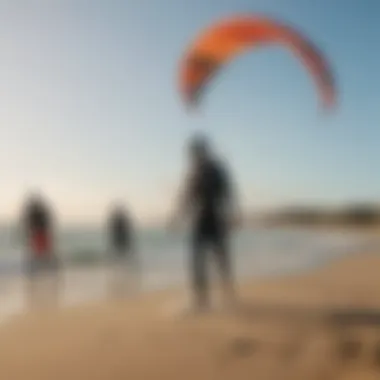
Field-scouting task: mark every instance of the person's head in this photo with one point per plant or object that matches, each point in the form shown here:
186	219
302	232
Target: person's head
199	149
118	208
35	198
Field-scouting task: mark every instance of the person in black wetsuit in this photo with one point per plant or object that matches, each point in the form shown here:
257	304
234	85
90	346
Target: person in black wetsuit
119	232
122	253
41	261
209	199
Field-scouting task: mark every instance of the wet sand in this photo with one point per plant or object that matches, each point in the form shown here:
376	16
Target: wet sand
323	324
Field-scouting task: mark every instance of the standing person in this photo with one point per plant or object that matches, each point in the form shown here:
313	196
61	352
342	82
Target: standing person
41	260
122	252
209	199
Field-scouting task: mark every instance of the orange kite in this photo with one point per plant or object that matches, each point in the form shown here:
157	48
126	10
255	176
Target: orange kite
226	39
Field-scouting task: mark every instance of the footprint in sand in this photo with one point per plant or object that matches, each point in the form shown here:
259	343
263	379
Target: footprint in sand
349	349
243	347
376	353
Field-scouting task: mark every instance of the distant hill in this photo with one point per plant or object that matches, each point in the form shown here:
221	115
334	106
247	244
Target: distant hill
353	214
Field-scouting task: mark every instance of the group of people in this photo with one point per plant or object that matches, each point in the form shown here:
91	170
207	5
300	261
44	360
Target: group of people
42	258
208	199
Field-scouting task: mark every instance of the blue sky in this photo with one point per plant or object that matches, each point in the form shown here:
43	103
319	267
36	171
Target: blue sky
90	110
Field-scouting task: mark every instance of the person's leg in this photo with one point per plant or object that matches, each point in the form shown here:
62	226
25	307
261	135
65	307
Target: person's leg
126	272
198	269
56	277
43	281
221	249
38	280
135	270
31	271
122	272
115	268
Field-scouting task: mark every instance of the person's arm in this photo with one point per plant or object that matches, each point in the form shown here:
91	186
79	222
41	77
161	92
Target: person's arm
19	235
184	201
108	232
16	233
131	234
135	249
232	204
52	227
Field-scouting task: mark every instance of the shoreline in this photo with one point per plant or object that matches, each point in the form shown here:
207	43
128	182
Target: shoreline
324	227
148	337
88	283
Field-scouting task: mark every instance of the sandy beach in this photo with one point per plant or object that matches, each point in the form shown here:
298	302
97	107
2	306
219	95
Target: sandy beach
318	325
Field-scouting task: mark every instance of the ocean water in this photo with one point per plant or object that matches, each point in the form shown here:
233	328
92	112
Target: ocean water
163	255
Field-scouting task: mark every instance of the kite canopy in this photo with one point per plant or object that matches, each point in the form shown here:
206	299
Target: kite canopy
226	39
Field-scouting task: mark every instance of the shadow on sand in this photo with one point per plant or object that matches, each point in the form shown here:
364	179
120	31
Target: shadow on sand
329	316
351	336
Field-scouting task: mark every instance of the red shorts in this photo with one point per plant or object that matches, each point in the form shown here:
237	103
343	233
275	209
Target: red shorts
41	243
